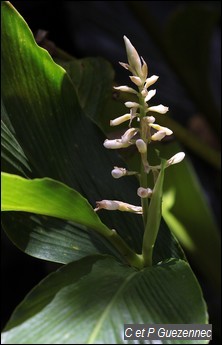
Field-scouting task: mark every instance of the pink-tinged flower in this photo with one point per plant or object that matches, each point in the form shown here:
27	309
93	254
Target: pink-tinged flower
144	192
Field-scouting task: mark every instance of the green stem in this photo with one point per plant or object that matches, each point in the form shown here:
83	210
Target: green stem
153	222
132	258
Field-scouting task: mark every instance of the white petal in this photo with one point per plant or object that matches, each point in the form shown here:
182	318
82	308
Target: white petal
159	109
120	120
115	144
136	80
127	136
161	128
125	65
150	81
131	105
177	158
125	88
150	94
158	136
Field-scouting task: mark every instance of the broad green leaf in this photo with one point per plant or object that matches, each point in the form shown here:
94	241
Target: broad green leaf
55	239
89	301
58	140
48	197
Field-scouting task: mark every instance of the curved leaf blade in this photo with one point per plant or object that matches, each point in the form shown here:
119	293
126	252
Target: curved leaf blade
76	306
48	197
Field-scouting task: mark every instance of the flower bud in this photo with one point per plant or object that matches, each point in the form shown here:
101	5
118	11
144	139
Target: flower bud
125	88
144	192
158	136
150	94
133	57
159	109
161	128
120	119
110	205
141	146
113	205
115	144
144	69
136	80
118	172
150	81
177	158
131	105
128	135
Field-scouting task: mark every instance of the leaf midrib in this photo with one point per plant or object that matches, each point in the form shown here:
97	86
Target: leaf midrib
102	318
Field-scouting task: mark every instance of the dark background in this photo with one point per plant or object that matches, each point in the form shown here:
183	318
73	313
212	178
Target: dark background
96	28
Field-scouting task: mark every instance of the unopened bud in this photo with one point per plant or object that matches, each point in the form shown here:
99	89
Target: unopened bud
177	158
141	146
150	94
120	119
118	172
159	109
136	80
158	136
150	81
144	192
133	57
131	105
128	135
125	88
161	128
115	144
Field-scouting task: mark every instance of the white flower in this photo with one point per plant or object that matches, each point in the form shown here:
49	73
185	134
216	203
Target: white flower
177	158
132	104
125	88
141	146
118	172
136	80
112	205
120	120
115	144
149	119
144	192
161	128
150	94
128	135
159	109
158	136
150	81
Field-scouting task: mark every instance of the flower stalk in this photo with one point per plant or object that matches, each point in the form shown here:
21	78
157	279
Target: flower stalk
148	131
